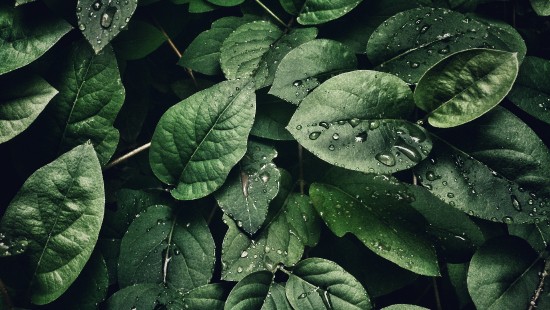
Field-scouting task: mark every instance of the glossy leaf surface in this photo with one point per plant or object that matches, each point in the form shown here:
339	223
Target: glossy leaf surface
321	11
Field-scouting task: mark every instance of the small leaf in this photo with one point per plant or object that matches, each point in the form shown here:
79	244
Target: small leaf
282	241
503	274
146	296
316	12
301	70
251	292
253	185
403	307
21	101
531	92
272	117
203	53
199	140
276	298
365	136
25	37
380	217
465	85
541	7
59	210
317	283
210	296
169	247
410	42
101	21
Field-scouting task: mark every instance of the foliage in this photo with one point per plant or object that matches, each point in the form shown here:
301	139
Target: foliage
275	154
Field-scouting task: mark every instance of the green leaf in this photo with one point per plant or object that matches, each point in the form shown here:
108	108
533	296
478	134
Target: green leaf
147	296
317	283
226	2
537	235
22	99
59	210
367	135
282	241
101	21
410	42
199	140
251	292
403	307
203	54
140	40
531	92
541	7
21	2
255	49
302	69
272	116
465	85
503	274
292	6
27	33
316	12
276	298
210	296
494	170
90	97
380	217
169	247
247	193
12	246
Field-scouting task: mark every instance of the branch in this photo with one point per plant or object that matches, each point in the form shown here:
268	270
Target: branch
540	287
127	156
280	21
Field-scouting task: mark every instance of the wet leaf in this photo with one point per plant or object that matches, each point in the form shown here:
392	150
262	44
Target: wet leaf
12	246
251	292
321	11
101	21
368	135
140	40
306	66
542	7
248	192
167	246
465	85
272	118
198	140
59	211
317	283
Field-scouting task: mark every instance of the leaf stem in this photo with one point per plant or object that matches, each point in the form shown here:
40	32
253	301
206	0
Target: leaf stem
436	293
282	268
280	21
126	156
540	287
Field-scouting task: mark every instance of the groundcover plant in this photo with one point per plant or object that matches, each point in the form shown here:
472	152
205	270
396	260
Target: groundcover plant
274	154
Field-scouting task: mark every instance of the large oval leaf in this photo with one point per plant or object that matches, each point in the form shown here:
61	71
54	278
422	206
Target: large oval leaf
317	283
169	247
410	42
248	192
531	92
465	85
59	210
250	292
27	33
199	140
321	11
21	101
503	274
301	70
101	20
351	121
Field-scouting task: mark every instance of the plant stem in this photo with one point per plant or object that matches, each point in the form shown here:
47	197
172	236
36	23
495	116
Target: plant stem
280	21
540	287
436	293
281	268
211	215
124	157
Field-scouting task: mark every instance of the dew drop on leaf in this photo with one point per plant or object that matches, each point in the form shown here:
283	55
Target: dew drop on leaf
515	203
335	136
331	147
97	5
386	158
314	135
107	17
508	220
361	137
324	125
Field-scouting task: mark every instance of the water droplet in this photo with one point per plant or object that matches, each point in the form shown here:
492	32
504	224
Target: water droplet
299	127
107	17
240	223
386	158
297	83
444	50
450	195
302	296
508	220
414	65
374	124
244	254
314	135
424	28
240	269
264	176
97	5
515	203
335	136
430	176
354	122
331	147
82	27
324	125
409	151
361	137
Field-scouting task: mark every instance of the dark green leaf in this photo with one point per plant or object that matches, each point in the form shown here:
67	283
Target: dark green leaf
365	136
403	307
248	192
317	283
292	6
27	33
207	297
199	140
203	54
276	298
226	2
59	210
21	2
465	85
282	241
531	92
271	119
169	247
321	11
410	42
251	292
503	274
146	296
21	101
537	235
300	71
542	7
140	40
101	21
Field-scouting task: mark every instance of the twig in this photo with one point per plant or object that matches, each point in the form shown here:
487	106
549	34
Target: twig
540	287
436	293
211	215
126	156
280	21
